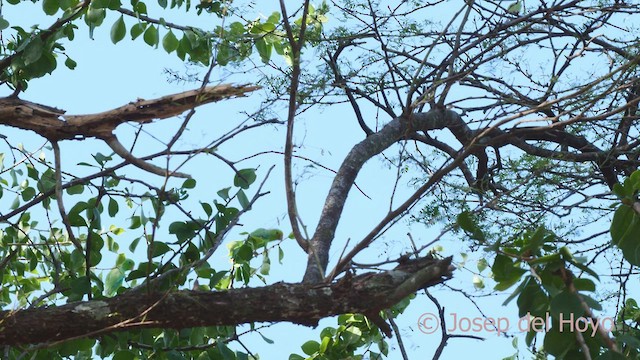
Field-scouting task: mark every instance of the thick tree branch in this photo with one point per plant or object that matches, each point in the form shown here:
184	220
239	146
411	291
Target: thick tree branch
399	128
372	145
51	123
296	303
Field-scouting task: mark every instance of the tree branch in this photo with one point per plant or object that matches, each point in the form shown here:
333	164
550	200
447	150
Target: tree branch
296	303
52	124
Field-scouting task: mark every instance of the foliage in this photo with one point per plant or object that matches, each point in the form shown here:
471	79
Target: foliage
518	161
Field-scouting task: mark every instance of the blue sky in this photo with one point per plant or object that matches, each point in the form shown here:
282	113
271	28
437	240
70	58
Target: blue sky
112	75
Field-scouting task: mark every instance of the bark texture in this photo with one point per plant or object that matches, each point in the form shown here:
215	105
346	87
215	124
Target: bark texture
297	303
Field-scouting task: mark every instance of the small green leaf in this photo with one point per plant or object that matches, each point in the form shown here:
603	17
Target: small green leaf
134	244
50	7
113	281
4	24
625	230
244	201
558	342
469	225
113	207
135	222
118	30
266	265
505	272
95	16
243	253
224	53
482	264
140	7
310	347
33	51
566	303
124	355
160	248
76	189
244	178
151	36
264	50
170	42
189	184
532	299
224	193
207	208
28	193
70	63
137	30
267	340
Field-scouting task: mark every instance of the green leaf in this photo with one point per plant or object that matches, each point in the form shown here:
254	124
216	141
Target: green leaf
505	272
558	342
170	42
162	3
264	50
113	207
224	53
189	184
151	36
70	63
183	230
625	230
124	355
95	16
207	208
310	347
532	300
33	51
140	7
224	193
28	193
134	244
74	214
612	355
4	24
118	30
113	281
135	222
244	201
76	189
469	225
482	264
244	178
267	340
565	304
243	254
266	265
137	30
50	7
160	248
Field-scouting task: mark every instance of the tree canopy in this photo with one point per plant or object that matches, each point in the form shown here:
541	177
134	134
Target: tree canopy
505	130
